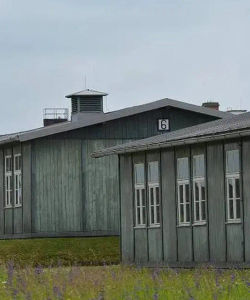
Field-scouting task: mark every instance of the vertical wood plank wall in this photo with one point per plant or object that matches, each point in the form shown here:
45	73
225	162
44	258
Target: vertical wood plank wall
246	196
127	222
216	241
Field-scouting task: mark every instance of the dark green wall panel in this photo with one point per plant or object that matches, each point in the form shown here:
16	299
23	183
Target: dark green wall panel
155	245
100	187
1	192
169	205
185	249
18	220
246	195
127	223
216	202
234	243
141	246
200	244
57	187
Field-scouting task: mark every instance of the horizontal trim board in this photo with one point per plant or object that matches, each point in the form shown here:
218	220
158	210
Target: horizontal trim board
59	234
191	265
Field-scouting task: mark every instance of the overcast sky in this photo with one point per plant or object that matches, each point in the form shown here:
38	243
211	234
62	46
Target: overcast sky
137	51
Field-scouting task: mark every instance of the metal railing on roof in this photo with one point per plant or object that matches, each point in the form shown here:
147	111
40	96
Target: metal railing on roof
56	113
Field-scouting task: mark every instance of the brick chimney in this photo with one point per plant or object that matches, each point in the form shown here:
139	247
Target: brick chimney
211	104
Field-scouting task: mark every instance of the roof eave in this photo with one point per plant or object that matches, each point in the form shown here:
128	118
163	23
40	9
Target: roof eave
168	144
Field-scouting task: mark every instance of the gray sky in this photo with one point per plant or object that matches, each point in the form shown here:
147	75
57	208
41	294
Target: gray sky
137	51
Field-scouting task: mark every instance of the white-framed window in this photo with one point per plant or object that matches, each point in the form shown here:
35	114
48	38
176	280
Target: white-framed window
140	197
17	180
233	186
199	189
183	191
8	180
154	194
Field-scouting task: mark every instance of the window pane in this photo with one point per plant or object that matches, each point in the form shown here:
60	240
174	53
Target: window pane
238	209
233	161
237	187
152	214
181	193
158	214
203	210
230	188
138	216
198	166
139	174
187	213
153	172
157	190
17	163
187	192
203	191
143	197
196	191
144	215
197	211
181	213
151	196
138	197
231	209
182	168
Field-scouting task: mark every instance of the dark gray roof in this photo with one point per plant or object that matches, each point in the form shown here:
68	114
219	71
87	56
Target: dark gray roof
90	119
235	125
87	92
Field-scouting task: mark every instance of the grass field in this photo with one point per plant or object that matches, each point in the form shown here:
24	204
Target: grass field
116	282
84	268
61	251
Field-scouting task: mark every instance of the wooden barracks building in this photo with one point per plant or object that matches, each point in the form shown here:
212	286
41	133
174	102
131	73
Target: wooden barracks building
185	195
50	185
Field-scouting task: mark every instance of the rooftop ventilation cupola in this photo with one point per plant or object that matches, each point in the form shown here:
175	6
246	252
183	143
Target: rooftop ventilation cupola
87	101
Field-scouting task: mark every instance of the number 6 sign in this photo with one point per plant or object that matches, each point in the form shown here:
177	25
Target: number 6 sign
163	125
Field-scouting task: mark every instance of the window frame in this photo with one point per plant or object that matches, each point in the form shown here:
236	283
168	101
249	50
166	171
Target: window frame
141	187
184	183
199	181
152	203
18	181
233	176
8	177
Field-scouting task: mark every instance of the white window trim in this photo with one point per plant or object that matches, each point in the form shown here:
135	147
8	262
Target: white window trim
153	186
141	189
199	202
8	192
234	220
179	183
19	174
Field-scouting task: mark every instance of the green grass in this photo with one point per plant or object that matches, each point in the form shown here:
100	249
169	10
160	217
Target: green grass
117	282
60	251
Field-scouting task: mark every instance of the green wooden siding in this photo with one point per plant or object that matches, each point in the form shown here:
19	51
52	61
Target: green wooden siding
100	187
127	203
216	241
246	195
1	192
56	186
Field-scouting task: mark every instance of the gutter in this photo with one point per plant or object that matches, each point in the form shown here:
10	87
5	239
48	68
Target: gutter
166	144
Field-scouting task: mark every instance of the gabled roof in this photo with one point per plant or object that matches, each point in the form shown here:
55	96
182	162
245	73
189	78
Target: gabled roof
87	92
234	126
91	119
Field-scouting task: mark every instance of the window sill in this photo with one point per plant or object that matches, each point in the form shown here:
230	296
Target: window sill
140	227
199	224
154	226
16	206
233	222
8	207
184	225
